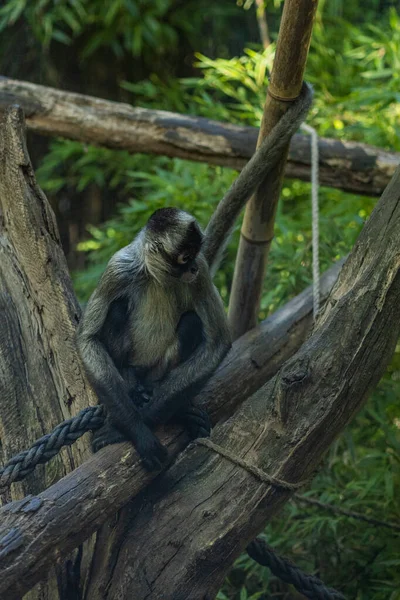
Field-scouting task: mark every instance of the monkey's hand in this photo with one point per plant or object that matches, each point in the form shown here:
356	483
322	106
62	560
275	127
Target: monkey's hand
150	414
150	449
196	422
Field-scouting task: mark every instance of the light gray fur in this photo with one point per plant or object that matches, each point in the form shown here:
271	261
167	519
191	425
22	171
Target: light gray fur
204	299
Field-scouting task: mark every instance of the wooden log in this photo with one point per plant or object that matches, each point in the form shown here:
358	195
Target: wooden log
350	166
284	428
40	374
77	505
257	230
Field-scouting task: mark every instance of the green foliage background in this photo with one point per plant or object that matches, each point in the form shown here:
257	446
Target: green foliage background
354	64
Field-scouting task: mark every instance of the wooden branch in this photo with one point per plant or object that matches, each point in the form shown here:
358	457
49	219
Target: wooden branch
34	532
259	218
350	166
197	518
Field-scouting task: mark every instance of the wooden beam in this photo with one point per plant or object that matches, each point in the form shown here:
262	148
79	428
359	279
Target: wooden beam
349	166
284	427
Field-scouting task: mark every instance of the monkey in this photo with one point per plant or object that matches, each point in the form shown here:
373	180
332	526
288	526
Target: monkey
155	318
155	329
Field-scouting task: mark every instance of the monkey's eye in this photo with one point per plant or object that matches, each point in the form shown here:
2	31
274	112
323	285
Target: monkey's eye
183	258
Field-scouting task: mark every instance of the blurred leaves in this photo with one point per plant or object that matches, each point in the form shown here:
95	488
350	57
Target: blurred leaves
132	27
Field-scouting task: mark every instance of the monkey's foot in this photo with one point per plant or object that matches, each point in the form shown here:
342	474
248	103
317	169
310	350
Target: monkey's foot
150	449
196	422
105	436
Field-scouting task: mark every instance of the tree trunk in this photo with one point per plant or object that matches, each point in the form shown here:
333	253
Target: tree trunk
262	23
41	380
350	166
77	505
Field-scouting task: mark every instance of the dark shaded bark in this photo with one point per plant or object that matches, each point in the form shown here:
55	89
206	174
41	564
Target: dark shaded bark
349	166
40	374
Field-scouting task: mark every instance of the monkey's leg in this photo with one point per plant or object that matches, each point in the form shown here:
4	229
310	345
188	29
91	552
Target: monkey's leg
106	435
196	421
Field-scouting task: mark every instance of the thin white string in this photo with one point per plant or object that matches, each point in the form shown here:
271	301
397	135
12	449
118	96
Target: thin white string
315	216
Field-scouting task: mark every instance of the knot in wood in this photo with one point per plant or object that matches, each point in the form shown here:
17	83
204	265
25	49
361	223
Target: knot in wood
296	372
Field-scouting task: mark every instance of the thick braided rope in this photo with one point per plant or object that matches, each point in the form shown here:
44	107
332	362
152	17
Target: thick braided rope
308	585
46	447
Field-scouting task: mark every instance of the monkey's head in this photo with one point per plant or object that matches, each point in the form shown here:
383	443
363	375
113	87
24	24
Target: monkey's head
173	241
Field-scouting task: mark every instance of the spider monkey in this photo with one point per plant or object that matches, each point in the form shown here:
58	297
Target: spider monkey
155	329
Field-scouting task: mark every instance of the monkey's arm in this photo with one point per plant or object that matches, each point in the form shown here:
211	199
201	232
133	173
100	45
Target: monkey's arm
103	374
265	158
185	381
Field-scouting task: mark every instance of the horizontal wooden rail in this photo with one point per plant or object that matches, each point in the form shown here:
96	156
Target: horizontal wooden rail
350	166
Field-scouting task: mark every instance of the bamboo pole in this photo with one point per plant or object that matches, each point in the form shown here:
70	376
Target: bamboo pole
258	224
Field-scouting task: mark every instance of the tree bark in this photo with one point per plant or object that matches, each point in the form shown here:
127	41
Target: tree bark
350	166
41	380
262	23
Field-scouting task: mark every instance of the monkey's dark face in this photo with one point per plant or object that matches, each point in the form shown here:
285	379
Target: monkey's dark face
177	238
182	260
184	265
